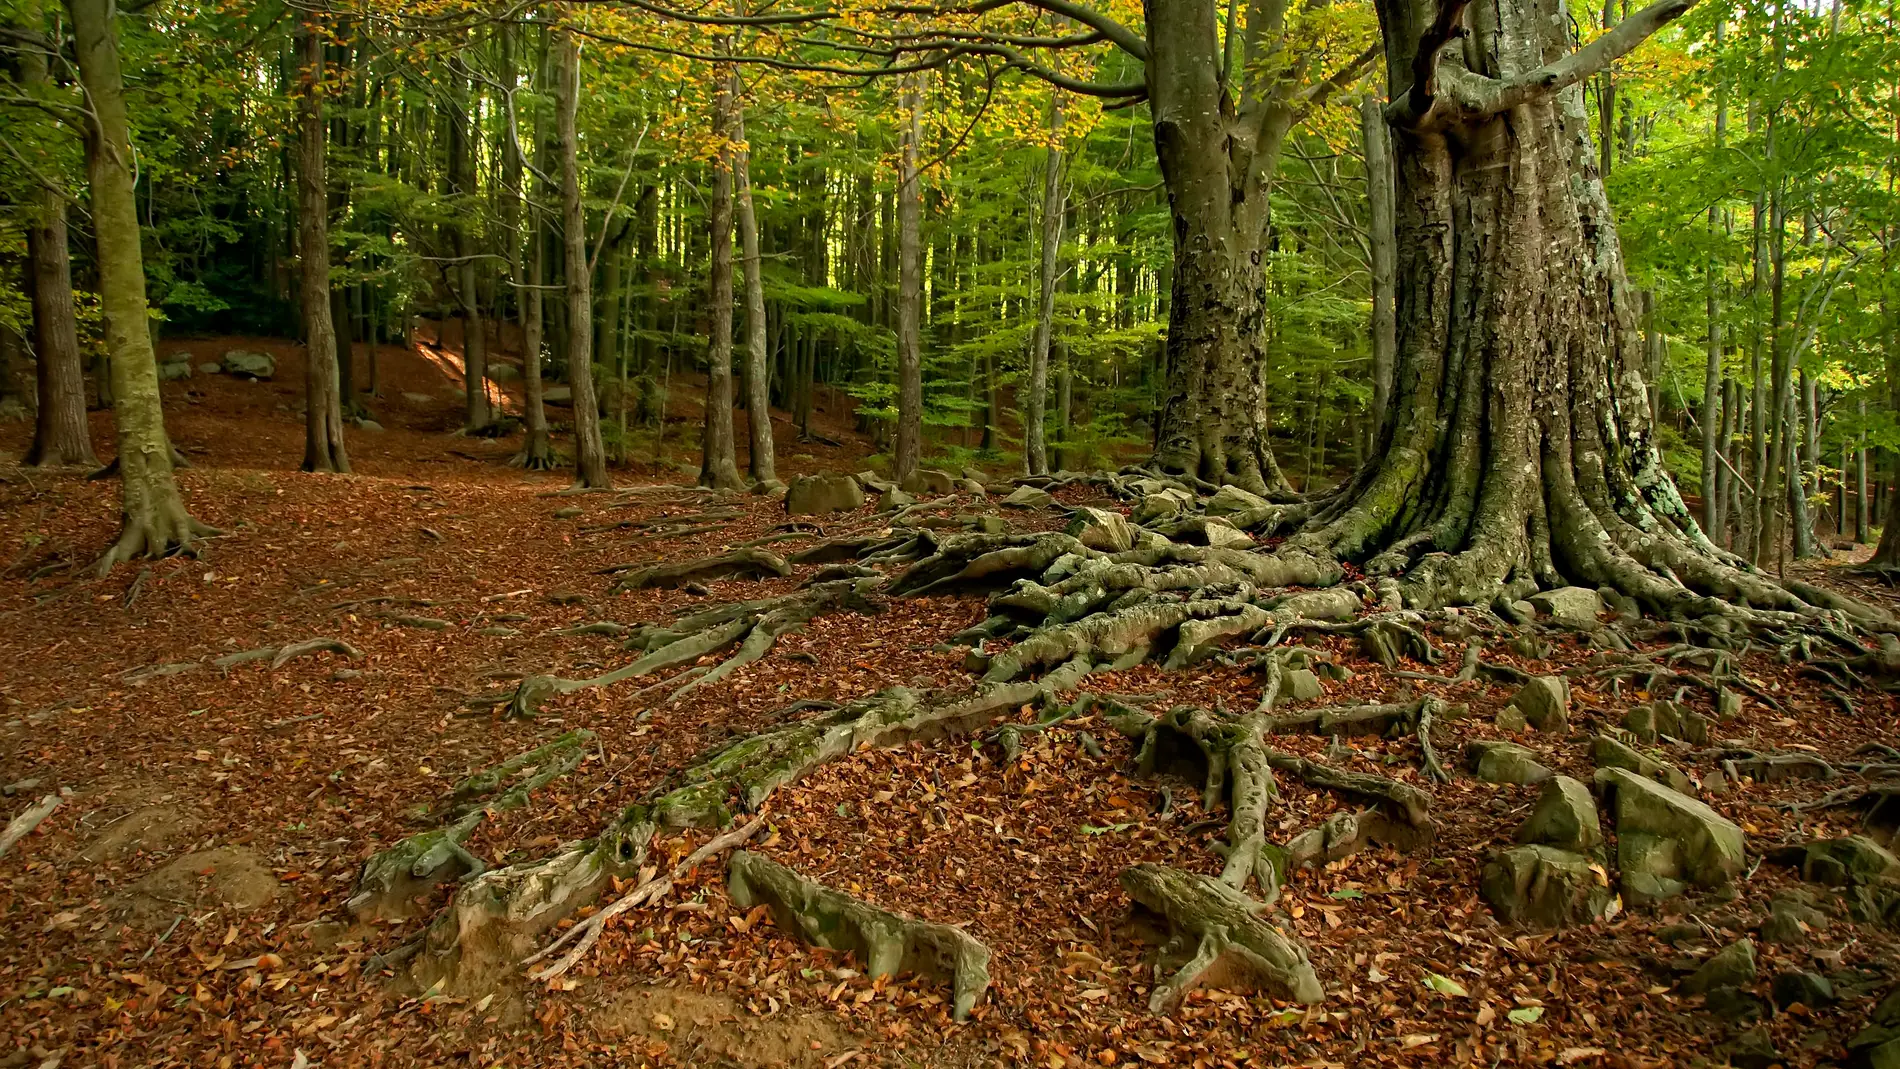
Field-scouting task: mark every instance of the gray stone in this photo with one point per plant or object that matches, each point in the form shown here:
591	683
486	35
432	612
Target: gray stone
929	481
419	398
568	513
871	481
973	475
252	365
1230	499
173	370
1219	533
210	367
1101	529
1565	817
369	425
815	495
1545	703
1028	497
1732	966
1810	989
1303	686
893	499
1852	859
1146	539
1510	720
1728	704
1878	1045
558	395
1515	612
1611	753
990	523
1790	918
1753	1049
1574	607
1665	839
1545	887
1732	1004
1714	785
500	372
972	487
1494	761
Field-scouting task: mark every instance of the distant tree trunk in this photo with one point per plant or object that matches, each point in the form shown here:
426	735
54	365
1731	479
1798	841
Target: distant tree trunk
910	368
1862	513
474	327
1035	444
60	433
762	464
1384	256
537	454
155	520
345	356
323	413
719	467
590	455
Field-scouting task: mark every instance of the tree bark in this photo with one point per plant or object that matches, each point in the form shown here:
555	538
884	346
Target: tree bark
910	368
155	520
474	327
719	467
762	462
323	413
1035	442
537	453
590	455
1383	257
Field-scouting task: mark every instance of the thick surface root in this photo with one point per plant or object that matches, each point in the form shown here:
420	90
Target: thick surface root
745	563
888	943
1226	940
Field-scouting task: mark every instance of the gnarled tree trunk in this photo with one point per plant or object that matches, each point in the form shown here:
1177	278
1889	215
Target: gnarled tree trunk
156	522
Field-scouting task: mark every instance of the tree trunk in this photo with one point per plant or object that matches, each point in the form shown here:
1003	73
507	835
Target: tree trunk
155	520
474	327
1035	444
910	368
719	467
762	463
590	456
323	413
1383	257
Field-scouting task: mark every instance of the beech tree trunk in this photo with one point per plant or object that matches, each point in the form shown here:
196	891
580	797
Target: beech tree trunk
468	295
1035	436
719	466
910	367
762	462
60	432
155	520
1382	257
590	455
323	413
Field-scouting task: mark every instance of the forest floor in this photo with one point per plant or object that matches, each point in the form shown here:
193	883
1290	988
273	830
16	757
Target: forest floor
184	906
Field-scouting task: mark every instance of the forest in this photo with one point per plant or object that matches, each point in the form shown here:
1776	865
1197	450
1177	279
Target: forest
974	532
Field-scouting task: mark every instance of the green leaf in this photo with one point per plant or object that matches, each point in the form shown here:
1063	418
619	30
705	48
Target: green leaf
1090	829
1347	893
1445	985
1526	1014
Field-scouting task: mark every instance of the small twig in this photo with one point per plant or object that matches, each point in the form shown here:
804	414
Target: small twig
176	921
22	826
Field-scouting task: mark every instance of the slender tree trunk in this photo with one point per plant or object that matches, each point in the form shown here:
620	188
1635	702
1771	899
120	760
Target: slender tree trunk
1035	446
155	520
910	368
762	463
719	466
323	414
1378	149
462	185
1862	513
537	453
590	456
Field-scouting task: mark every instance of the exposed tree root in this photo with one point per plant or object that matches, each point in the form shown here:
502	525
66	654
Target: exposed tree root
22	826
887	942
495	917
746	563
394	878
1227	941
754	625
1410	718
280	655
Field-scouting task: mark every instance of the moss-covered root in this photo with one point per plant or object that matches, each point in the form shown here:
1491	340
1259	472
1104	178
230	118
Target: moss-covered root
747	563
1232	945
393	880
496	918
887	942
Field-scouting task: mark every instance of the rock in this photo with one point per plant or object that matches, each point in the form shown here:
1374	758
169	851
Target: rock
1545	887
972	475
871	481
1610	753
1219	534
1677	934
1654	720
499	372
1714	785
1728	704
1157	507
1626	608
1146	539
991	523
1732	1004
1028	497
557	395
1494	761
973	488
173	370
1101	529
369	425
1510	720
1753	1049
1732	966
893	499
1790	918
1231	499
1810	989
568	513
1515	612
1565	817
210	367
1545	703
1852	859
1878	1045
815	495
929	481
1574	607
1302	685
251	365
1665	839
417	398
